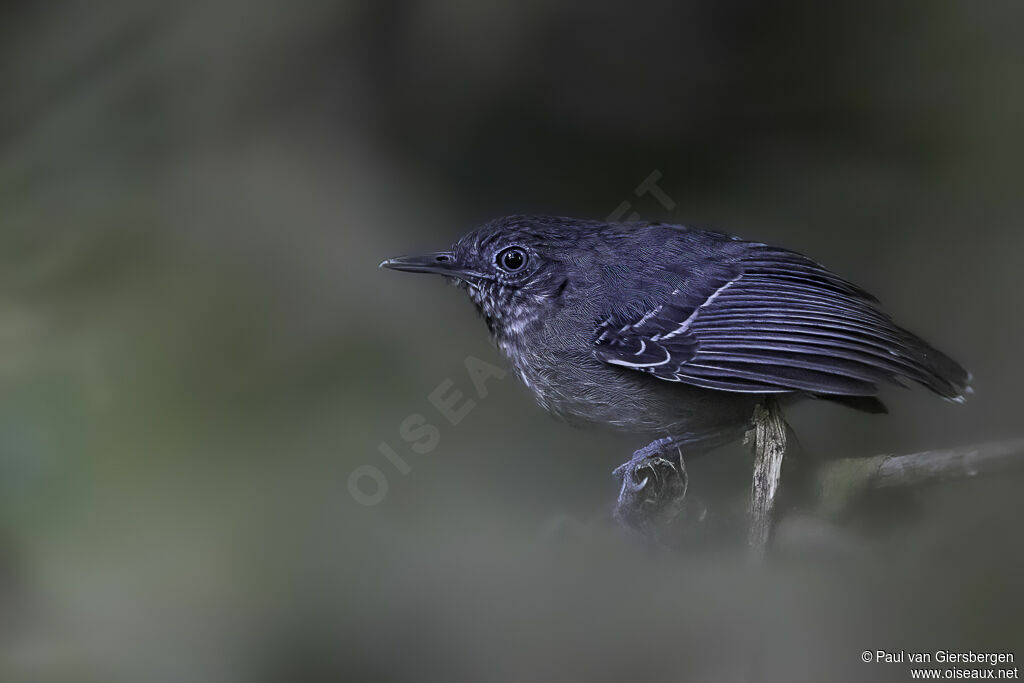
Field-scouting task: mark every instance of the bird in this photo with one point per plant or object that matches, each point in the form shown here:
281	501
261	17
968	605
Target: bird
677	333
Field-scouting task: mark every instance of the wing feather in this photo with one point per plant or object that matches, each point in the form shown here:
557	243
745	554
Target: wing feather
780	323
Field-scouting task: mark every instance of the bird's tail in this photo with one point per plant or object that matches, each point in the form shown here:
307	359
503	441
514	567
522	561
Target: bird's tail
939	372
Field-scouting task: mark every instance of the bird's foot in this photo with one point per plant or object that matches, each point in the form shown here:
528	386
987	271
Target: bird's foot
652	487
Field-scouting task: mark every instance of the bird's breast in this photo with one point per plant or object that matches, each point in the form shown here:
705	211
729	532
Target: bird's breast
570	382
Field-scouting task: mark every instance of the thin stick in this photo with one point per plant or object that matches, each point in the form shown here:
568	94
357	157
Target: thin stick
950	463
769	444
841	482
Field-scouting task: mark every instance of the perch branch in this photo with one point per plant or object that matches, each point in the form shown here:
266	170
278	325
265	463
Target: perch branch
769	444
841	481
653	492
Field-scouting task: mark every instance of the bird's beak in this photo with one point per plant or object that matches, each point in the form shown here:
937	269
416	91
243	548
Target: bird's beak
441	263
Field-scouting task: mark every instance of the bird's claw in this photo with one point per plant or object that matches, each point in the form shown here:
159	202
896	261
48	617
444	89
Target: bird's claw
652	488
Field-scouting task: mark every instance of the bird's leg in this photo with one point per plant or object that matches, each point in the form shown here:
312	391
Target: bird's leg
652	486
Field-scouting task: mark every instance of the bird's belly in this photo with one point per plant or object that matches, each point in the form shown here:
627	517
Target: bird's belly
580	389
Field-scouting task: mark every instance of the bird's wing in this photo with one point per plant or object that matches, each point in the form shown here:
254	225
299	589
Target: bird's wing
774	321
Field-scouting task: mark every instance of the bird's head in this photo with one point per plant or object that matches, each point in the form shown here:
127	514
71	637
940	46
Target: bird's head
513	268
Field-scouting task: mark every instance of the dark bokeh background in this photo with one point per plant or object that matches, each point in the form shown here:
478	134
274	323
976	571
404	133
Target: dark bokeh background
197	350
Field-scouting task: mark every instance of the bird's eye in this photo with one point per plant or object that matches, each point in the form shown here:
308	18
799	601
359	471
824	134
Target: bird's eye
512	259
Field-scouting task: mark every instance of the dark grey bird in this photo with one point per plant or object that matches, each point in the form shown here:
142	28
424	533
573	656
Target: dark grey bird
674	332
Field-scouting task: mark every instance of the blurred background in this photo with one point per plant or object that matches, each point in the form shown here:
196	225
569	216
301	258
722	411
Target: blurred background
197	350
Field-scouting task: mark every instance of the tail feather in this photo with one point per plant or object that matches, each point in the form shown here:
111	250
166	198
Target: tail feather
942	374
865	404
